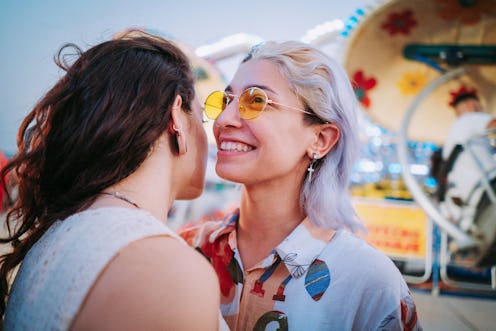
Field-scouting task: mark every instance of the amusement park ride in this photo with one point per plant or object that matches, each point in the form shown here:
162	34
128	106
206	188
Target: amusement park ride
408	58
405	59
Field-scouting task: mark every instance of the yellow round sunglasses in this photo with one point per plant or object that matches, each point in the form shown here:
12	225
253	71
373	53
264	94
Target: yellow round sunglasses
252	102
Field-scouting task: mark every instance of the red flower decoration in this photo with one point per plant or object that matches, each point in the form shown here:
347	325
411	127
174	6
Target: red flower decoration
218	252
401	22
361	85
221	257
408	324
466	12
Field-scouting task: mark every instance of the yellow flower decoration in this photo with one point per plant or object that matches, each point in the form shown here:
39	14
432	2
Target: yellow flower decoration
411	82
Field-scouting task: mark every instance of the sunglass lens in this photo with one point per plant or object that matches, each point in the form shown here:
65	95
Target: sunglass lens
214	105
252	102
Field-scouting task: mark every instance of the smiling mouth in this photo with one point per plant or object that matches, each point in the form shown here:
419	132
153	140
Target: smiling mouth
231	146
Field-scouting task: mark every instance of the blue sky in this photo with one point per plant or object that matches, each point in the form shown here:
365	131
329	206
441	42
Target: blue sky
32	31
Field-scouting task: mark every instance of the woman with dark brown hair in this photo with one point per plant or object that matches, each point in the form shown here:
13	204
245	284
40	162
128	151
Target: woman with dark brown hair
100	160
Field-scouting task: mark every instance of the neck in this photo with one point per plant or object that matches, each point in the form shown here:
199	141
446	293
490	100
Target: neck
267	215
260	212
122	197
150	187
153	189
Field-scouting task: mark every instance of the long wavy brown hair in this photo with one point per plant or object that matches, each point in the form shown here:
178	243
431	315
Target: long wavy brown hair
91	130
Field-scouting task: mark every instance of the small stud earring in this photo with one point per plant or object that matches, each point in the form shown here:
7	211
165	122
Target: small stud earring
310	169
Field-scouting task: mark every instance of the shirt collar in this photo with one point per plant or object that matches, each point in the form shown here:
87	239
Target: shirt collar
298	250
303	246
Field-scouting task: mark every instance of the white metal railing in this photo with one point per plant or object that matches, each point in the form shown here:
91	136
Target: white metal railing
462	238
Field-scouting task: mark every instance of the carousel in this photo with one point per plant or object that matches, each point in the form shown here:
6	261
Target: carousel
408	62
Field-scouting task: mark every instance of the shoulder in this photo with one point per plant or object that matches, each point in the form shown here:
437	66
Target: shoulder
373	277
153	283
353	254
476	119
198	235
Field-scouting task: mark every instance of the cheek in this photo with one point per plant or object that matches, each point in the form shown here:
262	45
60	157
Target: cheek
197	178
280	138
285	147
202	152
215	130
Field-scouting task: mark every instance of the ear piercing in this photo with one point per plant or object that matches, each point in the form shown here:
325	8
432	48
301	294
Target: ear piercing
310	169
178	130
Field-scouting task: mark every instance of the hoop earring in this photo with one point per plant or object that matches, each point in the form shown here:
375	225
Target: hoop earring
182	146
184	149
178	130
310	169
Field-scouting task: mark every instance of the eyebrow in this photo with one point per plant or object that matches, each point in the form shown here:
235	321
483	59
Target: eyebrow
263	87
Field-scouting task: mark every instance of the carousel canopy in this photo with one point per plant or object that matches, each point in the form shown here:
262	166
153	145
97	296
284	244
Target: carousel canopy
402	45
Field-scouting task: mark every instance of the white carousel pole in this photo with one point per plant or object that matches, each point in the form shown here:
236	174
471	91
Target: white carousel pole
462	238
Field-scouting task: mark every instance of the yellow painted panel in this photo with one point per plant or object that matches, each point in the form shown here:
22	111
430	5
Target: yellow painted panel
397	229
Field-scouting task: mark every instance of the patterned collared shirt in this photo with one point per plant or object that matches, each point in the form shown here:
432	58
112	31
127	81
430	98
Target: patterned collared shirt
316	279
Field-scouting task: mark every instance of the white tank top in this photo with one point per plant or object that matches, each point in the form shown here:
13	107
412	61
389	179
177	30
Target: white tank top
62	266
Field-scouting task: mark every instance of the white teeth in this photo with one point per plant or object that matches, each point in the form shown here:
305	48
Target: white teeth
234	146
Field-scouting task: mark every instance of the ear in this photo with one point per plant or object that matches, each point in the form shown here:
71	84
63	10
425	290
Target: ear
326	137
177	125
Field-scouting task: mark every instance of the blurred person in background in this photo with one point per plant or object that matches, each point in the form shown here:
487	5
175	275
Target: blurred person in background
467	172
460	169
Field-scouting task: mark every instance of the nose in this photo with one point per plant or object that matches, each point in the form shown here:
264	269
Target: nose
230	116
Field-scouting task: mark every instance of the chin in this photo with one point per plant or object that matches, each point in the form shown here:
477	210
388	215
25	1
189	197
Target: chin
232	176
190	194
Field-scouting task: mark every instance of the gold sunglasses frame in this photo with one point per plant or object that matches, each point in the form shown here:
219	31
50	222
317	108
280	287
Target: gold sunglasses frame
230	97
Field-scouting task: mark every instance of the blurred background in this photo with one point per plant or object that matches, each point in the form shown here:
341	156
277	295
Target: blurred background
392	184
32	31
